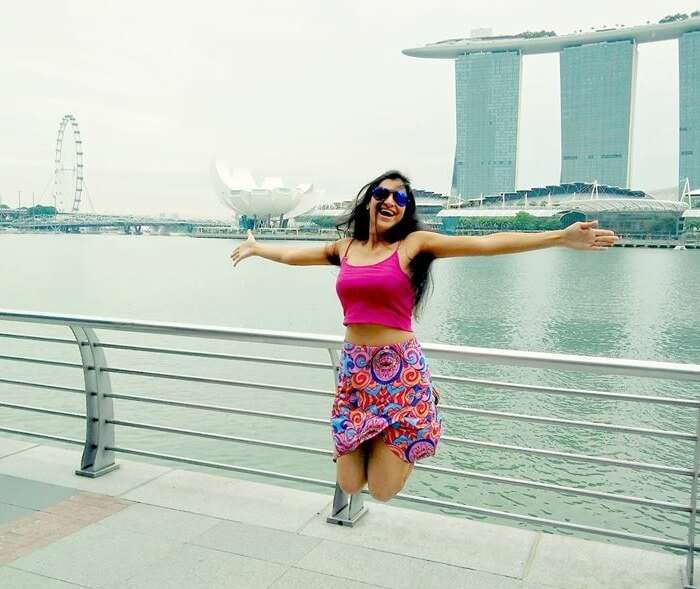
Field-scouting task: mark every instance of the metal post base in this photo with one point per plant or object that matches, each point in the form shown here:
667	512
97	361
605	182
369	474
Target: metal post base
93	474
347	509
684	580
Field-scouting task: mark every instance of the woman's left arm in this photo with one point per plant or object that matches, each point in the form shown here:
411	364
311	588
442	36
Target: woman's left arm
581	235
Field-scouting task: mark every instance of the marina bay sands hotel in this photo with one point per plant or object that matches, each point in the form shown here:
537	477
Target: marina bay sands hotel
597	75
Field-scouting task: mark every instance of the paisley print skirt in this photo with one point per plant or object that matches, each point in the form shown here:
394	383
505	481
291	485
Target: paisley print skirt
387	391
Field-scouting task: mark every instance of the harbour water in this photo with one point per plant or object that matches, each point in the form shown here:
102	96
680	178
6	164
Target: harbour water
625	303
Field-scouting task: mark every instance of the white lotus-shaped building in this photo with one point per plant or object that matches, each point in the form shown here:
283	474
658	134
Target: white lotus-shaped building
238	190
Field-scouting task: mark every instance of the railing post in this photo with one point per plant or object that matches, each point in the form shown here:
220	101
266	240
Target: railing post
347	509
99	434
689	576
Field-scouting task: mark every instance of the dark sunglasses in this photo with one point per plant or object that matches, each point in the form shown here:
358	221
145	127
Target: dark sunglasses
381	194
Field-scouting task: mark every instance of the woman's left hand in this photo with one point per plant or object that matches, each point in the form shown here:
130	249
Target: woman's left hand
585	236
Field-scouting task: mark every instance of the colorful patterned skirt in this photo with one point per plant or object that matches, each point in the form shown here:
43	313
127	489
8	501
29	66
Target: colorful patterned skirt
387	391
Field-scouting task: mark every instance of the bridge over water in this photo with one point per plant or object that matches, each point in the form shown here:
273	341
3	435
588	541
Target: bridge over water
72	223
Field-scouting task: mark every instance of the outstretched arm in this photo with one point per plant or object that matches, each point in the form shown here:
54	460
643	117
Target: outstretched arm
584	236
303	256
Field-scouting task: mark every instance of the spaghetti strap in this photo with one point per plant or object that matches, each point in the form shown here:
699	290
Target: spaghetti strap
348	248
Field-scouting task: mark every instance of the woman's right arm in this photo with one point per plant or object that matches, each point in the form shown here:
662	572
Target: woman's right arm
304	256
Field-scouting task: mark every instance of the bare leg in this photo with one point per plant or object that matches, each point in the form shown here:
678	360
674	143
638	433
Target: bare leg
351	470
386	472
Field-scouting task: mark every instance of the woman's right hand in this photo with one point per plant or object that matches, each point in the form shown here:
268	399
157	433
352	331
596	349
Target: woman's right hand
245	250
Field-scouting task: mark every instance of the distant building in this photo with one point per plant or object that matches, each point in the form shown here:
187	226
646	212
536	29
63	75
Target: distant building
622	210
598	79
597	82
689	131
271	203
488	103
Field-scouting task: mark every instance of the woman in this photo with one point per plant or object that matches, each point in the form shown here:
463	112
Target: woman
384	416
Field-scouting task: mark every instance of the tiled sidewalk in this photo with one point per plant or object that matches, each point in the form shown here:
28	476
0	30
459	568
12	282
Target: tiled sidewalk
146	526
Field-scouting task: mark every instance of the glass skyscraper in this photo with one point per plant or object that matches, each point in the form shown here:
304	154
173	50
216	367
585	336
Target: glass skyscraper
488	101
689	78
597	82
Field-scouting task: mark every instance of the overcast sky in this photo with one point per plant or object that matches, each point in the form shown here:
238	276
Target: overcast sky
312	91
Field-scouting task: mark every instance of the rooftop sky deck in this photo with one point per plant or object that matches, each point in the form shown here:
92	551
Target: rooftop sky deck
650	33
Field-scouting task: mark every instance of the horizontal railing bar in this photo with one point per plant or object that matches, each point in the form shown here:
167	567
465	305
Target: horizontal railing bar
643	368
593	425
624	366
467	410
41	385
472	474
39	338
441	470
222	381
570	422
41	361
222	466
177	329
219	408
565	455
214	436
215	355
42	410
566	391
316	421
546	522
434	502
22	432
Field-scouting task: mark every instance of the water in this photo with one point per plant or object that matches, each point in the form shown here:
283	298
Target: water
628	303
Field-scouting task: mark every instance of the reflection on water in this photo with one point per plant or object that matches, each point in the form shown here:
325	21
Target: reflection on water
618	303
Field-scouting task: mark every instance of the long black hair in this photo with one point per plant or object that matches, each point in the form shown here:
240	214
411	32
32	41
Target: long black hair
356	222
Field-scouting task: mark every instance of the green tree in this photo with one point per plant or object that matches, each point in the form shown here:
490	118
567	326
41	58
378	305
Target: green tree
673	18
41	211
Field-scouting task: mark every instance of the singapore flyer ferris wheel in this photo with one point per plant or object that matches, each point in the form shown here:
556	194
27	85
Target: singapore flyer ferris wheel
68	175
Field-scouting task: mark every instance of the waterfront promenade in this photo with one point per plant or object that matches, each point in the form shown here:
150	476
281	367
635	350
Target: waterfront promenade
150	526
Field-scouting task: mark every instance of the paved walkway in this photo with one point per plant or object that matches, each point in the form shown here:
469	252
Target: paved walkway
147	526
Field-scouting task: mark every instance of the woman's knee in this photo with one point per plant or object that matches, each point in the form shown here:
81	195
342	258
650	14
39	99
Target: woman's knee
385	490
351	483
386	472
351	472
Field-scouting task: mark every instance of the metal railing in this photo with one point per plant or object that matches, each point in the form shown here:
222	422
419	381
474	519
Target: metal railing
100	447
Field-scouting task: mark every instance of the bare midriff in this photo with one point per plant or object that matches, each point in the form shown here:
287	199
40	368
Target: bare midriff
371	334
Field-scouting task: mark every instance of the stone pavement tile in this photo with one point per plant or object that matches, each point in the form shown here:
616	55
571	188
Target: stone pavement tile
300	579
15	579
58	465
226	498
9	513
26	534
39	524
363	564
63	518
257	542
10	446
158	521
446	576
85	508
96	556
450	540
31	494
583	564
194	567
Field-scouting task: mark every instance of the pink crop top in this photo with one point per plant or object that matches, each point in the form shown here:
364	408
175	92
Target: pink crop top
379	293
